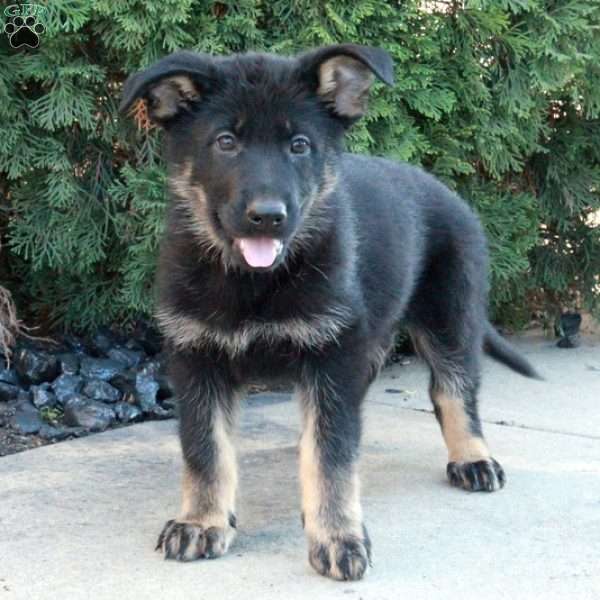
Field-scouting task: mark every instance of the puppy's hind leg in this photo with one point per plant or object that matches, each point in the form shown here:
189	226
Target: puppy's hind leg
453	390
206	524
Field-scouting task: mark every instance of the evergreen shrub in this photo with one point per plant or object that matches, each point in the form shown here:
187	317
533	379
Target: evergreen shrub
499	98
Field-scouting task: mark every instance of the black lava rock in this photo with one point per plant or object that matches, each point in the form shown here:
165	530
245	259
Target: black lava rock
152	367
169	403
8	375
96	389
69	363
102	341
165	390
66	386
146	390
42	396
50	432
130	358
163	413
128	413
8	391
100	368
35	366
132	344
76	344
124	382
148	337
89	414
26	419
24	396
146	393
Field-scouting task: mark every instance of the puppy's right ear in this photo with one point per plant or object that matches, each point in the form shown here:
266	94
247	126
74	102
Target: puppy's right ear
170	86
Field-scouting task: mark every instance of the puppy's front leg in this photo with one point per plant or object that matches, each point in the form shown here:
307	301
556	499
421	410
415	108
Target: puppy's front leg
206	524
331	397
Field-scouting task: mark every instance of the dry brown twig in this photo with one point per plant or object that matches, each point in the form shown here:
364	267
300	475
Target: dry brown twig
10	326
139	112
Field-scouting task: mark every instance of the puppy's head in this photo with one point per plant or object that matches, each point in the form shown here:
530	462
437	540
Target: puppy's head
252	140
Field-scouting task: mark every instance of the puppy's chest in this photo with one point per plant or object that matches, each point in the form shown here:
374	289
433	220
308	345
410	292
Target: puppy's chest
237	332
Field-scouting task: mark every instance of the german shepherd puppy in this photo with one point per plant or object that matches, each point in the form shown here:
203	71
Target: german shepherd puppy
284	256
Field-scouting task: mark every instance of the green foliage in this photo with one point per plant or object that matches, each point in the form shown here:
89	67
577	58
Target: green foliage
52	414
500	98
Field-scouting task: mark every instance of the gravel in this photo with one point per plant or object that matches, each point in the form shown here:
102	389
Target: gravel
100	368
76	386
42	396
88	414
35	367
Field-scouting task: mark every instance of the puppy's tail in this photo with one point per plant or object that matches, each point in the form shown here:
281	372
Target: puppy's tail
499	349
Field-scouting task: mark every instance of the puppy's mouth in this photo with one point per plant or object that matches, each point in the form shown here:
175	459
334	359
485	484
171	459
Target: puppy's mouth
259	252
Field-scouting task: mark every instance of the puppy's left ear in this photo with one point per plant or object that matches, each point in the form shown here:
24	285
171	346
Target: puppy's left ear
343	74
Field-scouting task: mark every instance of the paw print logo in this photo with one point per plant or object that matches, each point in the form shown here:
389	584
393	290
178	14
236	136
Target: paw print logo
24	31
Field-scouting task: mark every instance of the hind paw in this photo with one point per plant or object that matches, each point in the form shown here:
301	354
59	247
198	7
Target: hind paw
480	476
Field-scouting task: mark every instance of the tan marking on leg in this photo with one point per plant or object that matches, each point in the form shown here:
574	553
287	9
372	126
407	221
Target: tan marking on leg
331	506
209	502
462	445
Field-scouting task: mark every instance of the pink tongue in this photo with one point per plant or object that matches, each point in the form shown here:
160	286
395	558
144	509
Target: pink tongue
259	252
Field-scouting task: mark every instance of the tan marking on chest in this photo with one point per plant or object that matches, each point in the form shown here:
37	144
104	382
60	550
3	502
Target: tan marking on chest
313	332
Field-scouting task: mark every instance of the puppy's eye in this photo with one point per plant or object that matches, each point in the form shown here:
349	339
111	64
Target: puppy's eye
300	145
226	142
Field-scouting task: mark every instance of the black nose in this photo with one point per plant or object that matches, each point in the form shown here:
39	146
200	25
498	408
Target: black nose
266	214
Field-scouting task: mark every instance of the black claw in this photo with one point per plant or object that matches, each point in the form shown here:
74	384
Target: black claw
350	552
367	543
184	541
453	476
212	536
321	558
232	520
173	541
499	472
163	533
472	476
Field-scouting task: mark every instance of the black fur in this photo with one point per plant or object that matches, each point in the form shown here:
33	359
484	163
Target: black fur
383	243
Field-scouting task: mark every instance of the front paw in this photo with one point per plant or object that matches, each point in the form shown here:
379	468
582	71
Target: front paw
187	540
342	557
480	476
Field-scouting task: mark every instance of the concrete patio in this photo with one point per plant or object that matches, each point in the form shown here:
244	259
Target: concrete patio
79	519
